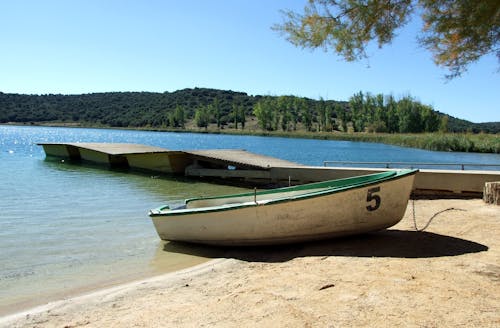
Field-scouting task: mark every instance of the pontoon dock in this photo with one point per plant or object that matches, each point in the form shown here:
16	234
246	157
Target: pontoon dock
241	165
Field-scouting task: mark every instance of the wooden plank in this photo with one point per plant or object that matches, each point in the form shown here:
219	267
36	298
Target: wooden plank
239	158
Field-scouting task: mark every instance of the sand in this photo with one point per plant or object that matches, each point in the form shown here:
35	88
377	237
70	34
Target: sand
448	275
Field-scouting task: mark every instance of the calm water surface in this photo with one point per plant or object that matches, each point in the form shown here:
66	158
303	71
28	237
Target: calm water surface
66	227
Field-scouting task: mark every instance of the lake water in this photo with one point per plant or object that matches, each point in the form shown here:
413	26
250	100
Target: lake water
66	228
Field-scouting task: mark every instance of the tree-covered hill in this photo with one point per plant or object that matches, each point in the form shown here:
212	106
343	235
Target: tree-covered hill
202	107
459	125
117	109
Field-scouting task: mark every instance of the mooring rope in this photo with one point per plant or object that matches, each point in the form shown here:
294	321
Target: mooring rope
432	218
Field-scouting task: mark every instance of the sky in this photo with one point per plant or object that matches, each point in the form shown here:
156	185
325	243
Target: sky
86	46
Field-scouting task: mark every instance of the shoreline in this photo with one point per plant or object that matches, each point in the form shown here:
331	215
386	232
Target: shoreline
454	142
109	291
168	262
447	275
95	287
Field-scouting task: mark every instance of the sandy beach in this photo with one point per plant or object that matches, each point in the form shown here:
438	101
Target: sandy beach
448	275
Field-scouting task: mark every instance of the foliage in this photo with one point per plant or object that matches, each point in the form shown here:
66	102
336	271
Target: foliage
202	117
365	112
286	112
123	109
217	110
457	32
176	118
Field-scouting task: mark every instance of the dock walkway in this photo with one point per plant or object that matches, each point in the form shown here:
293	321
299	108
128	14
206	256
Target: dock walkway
239	158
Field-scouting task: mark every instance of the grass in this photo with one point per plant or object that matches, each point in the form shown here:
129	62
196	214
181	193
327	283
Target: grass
453	142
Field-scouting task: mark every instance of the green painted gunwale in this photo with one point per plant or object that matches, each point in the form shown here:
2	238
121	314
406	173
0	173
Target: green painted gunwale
332	186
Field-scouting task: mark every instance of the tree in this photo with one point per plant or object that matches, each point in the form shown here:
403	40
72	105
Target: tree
239	116
263	112
409	113
305	113
179	117
430	119
392	114
288	112
202	117
276	114
329	125
356	103
321	112
217	112
443	125
343	116
456	32
243	117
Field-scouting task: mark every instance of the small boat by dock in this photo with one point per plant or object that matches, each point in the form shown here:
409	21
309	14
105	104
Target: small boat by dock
293	214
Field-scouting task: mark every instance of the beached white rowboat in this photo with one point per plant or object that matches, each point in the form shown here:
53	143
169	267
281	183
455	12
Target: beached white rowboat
299	213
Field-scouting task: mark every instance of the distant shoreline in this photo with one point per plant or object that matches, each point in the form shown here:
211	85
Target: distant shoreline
451	142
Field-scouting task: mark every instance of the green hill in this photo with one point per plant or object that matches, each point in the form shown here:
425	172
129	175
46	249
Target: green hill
221	107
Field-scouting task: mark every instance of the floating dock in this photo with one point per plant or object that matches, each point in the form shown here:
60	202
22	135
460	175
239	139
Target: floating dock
244	166
120	155
217	163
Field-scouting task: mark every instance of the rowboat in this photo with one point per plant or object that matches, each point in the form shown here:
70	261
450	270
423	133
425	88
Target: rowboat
293	214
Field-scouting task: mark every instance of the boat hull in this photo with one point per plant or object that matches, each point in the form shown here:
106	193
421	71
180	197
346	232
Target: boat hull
356	210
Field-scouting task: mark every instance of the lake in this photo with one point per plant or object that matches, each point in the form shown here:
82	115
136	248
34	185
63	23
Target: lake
66	228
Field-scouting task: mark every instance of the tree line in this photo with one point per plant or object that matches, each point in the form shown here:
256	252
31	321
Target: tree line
204	108
379	113
363	112
288	113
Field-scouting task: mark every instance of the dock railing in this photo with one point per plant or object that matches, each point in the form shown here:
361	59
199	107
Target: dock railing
413	165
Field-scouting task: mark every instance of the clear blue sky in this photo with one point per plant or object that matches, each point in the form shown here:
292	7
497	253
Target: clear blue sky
84	46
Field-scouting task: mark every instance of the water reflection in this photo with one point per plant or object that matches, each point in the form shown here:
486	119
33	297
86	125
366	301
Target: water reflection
167	186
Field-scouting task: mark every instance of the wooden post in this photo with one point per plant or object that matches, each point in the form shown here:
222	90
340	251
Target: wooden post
491	193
